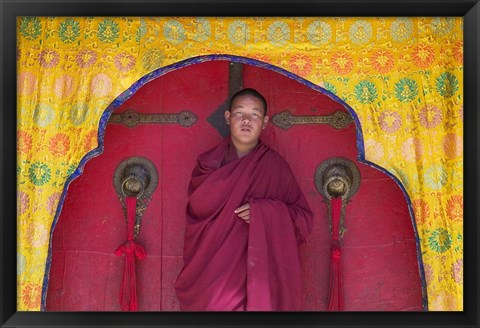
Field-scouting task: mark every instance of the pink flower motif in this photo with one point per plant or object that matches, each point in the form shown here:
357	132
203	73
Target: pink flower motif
26	83
49	58
374	150
428	272
86	58
124	62
430	116
101	85
64	86
23	202
390	121
52	202
412	149
457	271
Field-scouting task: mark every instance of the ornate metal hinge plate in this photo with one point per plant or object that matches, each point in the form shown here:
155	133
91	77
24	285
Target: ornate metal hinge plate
131	118
338	120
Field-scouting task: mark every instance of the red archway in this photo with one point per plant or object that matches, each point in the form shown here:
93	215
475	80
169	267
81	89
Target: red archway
380	263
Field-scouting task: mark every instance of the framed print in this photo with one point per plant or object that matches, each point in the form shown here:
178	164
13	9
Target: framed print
106	109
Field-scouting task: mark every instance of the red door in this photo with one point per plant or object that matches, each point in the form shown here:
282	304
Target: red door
379	263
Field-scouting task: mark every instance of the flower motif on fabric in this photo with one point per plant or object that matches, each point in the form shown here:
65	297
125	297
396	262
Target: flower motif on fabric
69	30
43	115
21	264
174	31
141	31
406	89
23	202
26	83
430	116
412	149
455	208
78	113
86	58
64	86
101	85
300	64
435	177
52	202
421	210
319	32
124	62
360	32
39	173
31	295
152	59
443	25
374	150
49	58
108	31
447	84
428	272
24	142
382	61
90	141
453	145
457	271
342	62
238	33
59	144
440	240
390	121
30	27
278	33
366	92
423	55
401	29
203	29
330	87
458	52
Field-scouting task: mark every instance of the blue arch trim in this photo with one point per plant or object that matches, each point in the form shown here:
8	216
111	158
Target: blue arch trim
238	59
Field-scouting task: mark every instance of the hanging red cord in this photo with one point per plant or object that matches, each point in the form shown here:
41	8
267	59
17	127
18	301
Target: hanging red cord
336	290
132	250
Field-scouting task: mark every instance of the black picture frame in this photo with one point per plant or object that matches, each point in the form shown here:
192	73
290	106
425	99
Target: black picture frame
468	9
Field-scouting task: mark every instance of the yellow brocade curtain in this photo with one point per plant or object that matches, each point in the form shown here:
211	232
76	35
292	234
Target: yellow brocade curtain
403	77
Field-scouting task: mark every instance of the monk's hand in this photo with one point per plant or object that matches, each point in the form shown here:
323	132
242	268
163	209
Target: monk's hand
243	212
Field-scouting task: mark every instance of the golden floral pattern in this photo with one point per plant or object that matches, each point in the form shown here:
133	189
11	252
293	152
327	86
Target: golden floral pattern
401	75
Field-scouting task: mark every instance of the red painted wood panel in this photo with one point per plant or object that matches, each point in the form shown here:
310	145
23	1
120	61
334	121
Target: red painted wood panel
379	259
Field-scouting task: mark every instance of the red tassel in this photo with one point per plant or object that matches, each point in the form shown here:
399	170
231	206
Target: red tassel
336	289
132	250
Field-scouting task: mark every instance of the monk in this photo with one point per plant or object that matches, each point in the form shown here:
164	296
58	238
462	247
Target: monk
245	219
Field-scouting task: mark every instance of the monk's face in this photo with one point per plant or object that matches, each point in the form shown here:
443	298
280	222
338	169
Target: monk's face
247	119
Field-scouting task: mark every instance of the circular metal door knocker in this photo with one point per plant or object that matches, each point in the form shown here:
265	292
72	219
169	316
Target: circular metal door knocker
138	177
337	177
135	176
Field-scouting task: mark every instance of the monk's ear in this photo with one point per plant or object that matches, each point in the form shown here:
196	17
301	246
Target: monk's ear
265	121
227	116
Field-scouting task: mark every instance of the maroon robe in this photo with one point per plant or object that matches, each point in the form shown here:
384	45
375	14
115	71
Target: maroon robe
230	265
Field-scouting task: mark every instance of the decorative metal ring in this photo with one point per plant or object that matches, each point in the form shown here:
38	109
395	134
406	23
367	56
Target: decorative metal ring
336	177
337	168
133	177
145	170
